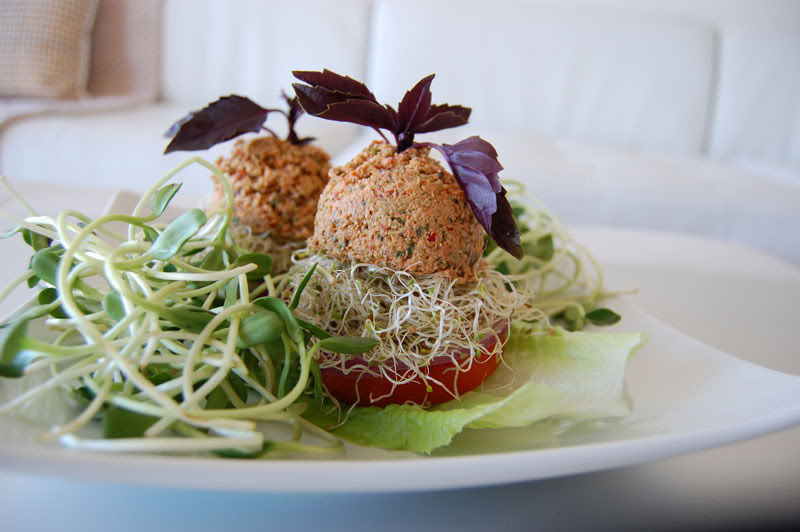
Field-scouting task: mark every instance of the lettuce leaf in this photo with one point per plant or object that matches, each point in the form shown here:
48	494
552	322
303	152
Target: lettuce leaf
565	374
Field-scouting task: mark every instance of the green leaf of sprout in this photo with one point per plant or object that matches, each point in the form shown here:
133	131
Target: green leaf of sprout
161	373
259	328
313	329
217	399
349	345
14	356
602	316
299	290
121	423
190	318
150	234
35	240
213	261
112	304
231	292
262	261
49	296
245	453
281	309
163	197
88	305
175	235
45	265
541	249
238	385
317	373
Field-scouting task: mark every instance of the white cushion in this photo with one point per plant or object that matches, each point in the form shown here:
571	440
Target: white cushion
250	47
637	80
758	107
122	149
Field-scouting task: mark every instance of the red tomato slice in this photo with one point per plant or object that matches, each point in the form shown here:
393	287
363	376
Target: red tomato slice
358	388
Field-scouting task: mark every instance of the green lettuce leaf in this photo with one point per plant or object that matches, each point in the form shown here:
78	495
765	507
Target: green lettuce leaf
565	374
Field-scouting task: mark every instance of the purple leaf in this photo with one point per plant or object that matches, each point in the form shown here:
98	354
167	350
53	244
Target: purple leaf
482	198
174	128
222	120
336	97
504	228
475	166
480	162
334	105
476	144
335	82
294	113
444	117
315	100
414	106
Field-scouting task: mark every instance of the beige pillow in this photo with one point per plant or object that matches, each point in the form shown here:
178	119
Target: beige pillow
126	48
44	47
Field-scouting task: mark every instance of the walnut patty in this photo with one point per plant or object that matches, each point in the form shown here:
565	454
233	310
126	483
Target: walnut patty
400	210
276	185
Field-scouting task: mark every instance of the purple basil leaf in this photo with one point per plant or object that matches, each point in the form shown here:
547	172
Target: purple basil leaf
478	155
504	228
414	107
444	117
222	120
335	82
336	97
294	113
476	144
302	141
332	105
482	198
393	119
327	88
363	112
475	166
315	100
174	128
479	162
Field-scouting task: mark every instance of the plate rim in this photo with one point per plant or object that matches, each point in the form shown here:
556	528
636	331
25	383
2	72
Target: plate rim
443	472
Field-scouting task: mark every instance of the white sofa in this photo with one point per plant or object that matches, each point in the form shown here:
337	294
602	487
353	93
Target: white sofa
662	114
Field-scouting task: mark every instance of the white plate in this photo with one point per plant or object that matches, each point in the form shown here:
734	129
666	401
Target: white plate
686	396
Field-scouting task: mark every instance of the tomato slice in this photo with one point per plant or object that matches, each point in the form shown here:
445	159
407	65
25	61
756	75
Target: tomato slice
358	388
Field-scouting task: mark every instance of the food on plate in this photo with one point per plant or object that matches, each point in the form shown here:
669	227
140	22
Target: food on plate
157	329
391	333
276	182
398	256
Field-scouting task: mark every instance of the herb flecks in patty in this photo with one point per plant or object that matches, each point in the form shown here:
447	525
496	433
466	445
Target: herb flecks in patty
388	208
